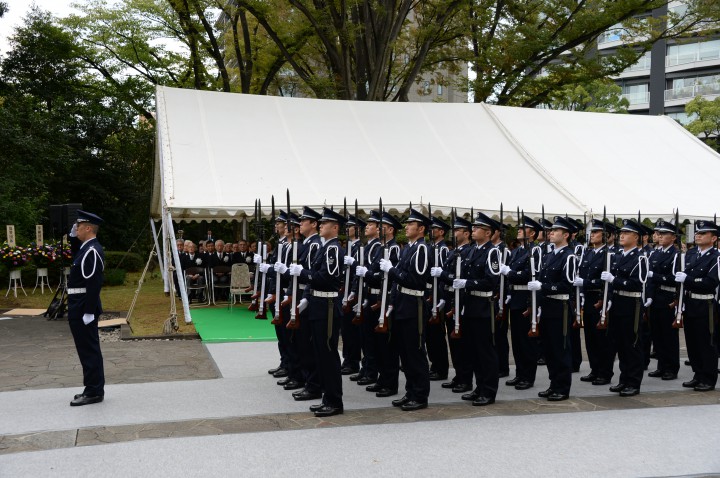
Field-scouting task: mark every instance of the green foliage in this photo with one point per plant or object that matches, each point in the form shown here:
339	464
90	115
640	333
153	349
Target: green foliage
601	95
707	123
113	277
129	261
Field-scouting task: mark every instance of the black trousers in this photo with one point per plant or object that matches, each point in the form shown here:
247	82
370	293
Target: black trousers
701	348
282	339
437	347
388	357
627	339
666	339
87	344
524	348
351	341
463	370
576	346
409	342
477	340
502	346
368	364
557	348
598	343
327	359
306	353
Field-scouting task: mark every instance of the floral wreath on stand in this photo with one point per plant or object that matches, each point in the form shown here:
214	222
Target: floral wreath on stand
13	257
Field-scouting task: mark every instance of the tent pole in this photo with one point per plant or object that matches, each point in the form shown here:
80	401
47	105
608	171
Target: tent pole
160	256
244	229
178	270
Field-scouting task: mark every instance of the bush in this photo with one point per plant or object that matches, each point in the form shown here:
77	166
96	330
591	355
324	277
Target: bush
115	277
130	261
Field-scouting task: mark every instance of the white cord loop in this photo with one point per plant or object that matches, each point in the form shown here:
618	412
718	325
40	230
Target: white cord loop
97	257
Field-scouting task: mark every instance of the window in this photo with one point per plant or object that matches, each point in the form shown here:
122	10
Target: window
691	52
440	90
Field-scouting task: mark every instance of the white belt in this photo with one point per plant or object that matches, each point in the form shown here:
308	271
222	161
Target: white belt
480	293
76	291
413	292
519	287
301	286
374	291
668	288
625	293
559	296
319	293
702	296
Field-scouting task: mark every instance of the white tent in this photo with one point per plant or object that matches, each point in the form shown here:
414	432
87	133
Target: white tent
218	152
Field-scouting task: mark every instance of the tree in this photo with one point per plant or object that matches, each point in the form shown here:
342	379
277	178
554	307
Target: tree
3	9
707	121
601	95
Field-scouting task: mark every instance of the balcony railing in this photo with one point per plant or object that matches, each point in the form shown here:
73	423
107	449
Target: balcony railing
642	64
614	34
637	98
691	58
692	91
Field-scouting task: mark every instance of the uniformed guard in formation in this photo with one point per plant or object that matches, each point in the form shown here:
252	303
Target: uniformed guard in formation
403	307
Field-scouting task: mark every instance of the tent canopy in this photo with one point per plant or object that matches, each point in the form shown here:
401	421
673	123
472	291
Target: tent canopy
218	152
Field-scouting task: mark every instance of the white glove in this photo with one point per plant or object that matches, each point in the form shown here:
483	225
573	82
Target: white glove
436	271
87	318
264	268
295	269
349	260
351	296
285	298
650	274
356	308
302	305
507	299
440	304
609	305
257	259
534	285
578	282
280	267
505	270
648	303
607	276
459	283
360	271
73	231
680	277
198	261
385	265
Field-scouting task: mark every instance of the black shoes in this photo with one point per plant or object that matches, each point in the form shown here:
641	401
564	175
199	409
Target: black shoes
400	401
691	384
355	377
328	411
601	381
366	381
523	385
541	361
450	384
629	392
656	374
618	388
462	388
557	397
375	387
80	400
412	405
435	376
293	385
316	407
700	387
482	401
305	394
284	381
348	370
281	372
669	376
545	393
687	362
588	378
512	382
273	370
385	392
470	397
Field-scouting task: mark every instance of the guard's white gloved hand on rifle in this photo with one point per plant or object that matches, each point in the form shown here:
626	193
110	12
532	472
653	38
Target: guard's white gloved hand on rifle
578	282
534	285
680	277
280	267
356	308
351	296
648	302
257	259
507	300
459	283
505	270
302	305
436	271
264	267
607	276
360	271
349	260
87	318
440	305
385	265
295	269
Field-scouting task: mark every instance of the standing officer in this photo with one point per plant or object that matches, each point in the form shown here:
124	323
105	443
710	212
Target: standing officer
600	350
323	303
351	333
477	314
410	312
437	347
701	280
518	273
661	296
267	268
84	307
556	317
624	322
462	381
500	325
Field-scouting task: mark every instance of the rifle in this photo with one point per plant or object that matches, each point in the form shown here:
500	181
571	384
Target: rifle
455	334
262	311
358	319
294	322
435	318
602	323
256	293
502	259
535	268
279	304
347	305
678	322
382	326
578	323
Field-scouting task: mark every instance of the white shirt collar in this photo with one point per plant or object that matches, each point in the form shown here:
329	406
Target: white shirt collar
556	249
